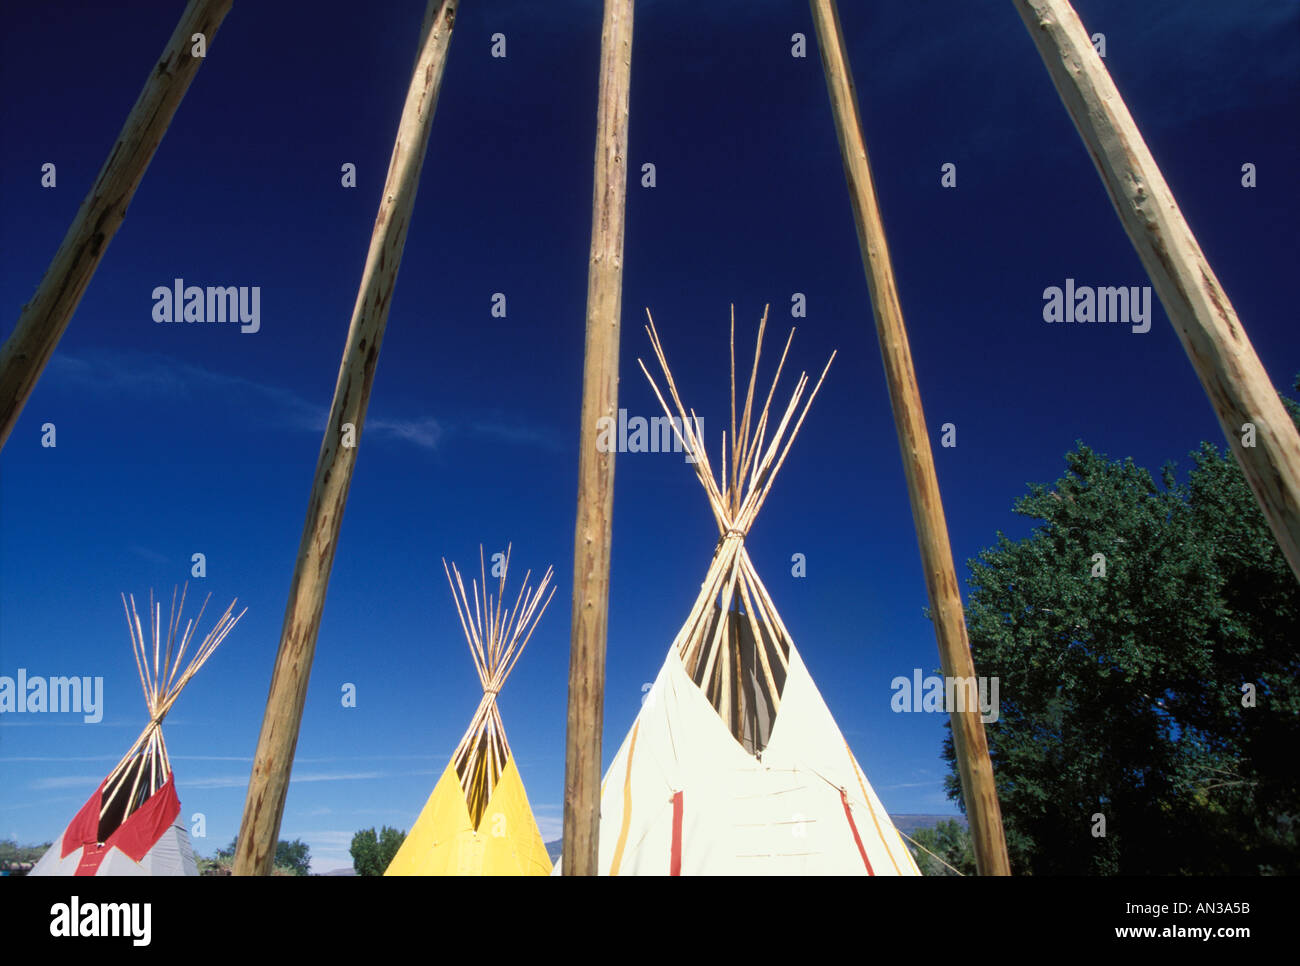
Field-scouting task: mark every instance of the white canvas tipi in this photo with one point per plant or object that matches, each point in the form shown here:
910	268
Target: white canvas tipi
132	824
735	766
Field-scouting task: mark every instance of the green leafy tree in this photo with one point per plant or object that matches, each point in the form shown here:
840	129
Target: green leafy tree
294	856
371	853
11	851
1158	703
950	841
291	858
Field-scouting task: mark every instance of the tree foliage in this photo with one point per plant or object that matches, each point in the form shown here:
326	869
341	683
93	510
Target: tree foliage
294	856
1129	695
291	858
11	851
950	841
371	853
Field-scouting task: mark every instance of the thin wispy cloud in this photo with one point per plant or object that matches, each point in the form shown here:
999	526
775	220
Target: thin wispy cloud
907	785
65	781
517	434
78	723
330	848
334	837
424	433
154	376
57	757
153	556
330	758
147	375
550	820
46	806
241	780
247	758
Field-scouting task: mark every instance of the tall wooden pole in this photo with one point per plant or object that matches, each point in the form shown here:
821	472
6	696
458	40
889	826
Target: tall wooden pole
592	535
1208	327
44	319
273	762
969	742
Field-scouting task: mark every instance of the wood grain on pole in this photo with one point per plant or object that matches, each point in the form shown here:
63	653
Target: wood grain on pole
273	761
592	534
44	319
969	741
1208	327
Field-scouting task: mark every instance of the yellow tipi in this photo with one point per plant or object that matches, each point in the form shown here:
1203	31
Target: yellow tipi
477	821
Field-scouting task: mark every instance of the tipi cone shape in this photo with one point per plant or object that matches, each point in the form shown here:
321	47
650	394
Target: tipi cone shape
132	824
735	765
477	821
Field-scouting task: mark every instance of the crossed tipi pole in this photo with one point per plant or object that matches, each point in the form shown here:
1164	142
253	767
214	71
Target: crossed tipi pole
130	825
496	640
1230	371
710	643
477	821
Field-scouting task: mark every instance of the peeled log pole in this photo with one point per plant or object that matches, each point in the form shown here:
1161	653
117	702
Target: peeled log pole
592	535
44	319
1233	377
971	747
273	762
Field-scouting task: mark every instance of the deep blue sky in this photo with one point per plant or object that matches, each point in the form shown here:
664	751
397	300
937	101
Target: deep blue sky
177	439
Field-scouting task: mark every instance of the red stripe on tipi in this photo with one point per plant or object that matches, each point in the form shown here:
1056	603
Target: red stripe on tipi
676	867
135	837
92	856
146	825
848	813
84	827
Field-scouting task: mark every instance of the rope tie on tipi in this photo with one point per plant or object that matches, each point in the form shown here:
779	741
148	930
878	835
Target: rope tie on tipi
709	648
496	639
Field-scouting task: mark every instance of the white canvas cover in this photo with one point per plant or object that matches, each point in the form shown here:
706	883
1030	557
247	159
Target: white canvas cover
683	797
172	854
734	765
152	841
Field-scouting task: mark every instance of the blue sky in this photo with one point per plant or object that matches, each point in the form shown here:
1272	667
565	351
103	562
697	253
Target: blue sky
176	439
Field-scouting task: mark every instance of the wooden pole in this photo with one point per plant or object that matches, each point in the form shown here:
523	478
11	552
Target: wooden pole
1208	327
969	742
592	534
273	761
43	320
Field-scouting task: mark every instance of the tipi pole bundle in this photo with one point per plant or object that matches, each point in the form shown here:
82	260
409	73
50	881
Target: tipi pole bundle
710	642
690	794
273	761
975	767
1208	327
44	319
159	660
496	639
594	527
